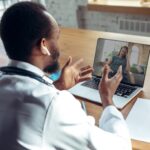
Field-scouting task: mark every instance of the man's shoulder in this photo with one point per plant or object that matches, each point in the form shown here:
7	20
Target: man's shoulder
26	87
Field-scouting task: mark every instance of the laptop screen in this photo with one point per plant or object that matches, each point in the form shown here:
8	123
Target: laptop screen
133	57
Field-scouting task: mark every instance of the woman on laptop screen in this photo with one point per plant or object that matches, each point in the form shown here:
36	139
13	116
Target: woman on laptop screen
122	59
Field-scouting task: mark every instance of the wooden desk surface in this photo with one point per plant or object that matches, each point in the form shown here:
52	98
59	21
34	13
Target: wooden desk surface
82	44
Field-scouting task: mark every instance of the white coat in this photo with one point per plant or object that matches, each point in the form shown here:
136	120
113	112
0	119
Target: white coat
40	117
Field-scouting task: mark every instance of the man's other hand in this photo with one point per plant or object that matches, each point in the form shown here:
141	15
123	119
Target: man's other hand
72	74
108	86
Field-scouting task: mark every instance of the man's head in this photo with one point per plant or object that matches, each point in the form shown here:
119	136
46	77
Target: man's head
30	34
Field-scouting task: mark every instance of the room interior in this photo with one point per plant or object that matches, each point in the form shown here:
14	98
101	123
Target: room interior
128	18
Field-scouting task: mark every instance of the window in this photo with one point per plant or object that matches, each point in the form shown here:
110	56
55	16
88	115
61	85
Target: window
134	55
6	3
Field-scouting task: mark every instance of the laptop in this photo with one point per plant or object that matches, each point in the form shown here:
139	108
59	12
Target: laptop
107	51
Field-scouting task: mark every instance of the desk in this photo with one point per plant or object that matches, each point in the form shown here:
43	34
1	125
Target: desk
80	43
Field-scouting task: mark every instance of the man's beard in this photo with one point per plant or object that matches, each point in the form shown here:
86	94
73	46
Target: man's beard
52	68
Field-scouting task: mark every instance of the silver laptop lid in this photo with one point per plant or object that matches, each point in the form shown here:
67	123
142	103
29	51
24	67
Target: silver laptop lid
132	56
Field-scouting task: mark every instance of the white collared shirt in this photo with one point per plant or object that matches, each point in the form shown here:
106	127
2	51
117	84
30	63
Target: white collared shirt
40	117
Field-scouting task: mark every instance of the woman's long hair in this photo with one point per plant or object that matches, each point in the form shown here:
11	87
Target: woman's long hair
126	47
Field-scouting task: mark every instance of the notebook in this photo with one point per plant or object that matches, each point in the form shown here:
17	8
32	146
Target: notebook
138	120
134	66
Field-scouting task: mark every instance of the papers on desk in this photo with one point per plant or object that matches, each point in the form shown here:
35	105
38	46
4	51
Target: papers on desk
138	120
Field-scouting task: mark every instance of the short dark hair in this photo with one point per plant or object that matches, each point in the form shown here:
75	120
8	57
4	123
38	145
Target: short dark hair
22	27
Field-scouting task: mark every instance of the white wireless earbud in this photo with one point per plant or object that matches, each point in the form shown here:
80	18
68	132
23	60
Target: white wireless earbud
45	51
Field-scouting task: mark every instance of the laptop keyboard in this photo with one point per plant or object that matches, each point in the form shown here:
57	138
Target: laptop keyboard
122	90
93	83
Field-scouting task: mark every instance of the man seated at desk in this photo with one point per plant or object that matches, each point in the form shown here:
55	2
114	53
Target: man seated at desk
39	114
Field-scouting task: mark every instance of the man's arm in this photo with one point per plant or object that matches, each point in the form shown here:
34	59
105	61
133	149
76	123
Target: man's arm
74	130
113	133
112	120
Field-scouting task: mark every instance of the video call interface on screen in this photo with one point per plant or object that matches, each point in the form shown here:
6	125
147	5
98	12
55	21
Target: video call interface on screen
133	57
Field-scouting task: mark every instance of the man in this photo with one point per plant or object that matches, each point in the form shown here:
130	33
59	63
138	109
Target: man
38	114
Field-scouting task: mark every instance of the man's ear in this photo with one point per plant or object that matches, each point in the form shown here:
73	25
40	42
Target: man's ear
44	48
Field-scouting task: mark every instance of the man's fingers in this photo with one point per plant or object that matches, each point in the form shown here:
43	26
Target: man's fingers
84	78
85	74
86	67
105	72
118	75
86	71
68	62
119	70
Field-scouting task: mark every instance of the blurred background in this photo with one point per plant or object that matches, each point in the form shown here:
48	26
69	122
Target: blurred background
75	14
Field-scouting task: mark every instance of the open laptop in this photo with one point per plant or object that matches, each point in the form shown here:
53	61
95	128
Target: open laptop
107	51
